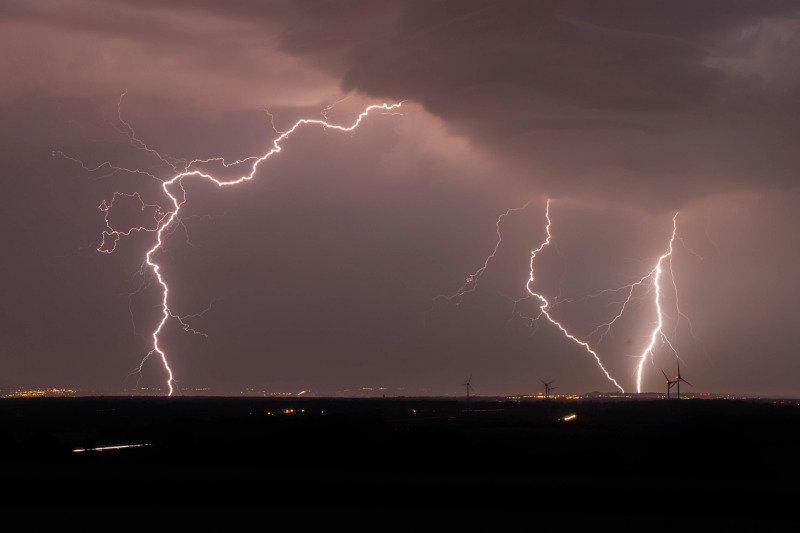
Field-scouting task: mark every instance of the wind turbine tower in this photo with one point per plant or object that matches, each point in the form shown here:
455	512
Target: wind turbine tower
547	388
468	385
669	383
678	380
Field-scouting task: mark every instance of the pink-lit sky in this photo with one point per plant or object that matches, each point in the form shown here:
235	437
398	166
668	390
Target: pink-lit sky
322	273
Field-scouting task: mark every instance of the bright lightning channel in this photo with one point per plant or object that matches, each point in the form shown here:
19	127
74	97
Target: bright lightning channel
545	307
651	280
654	278
164	219
658	330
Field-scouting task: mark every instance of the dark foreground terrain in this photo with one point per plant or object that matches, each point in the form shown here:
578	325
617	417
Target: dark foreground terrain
726	459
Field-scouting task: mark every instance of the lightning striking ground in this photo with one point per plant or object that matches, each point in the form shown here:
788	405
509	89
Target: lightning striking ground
652	280
545	307
658	331
164	219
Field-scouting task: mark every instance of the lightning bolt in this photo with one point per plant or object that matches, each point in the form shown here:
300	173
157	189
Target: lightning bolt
166	219
652	280
544	308
471	282
658	331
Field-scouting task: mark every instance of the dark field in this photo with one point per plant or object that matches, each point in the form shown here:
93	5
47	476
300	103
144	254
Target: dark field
660	458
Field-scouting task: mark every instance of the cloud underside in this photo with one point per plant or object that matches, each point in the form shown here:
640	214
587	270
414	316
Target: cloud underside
655	103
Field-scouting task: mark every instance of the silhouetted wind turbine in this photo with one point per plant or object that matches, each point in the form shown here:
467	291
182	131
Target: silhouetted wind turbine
678	380
547	388
669	383
469	386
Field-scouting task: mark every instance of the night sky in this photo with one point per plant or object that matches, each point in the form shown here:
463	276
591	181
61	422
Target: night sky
323	273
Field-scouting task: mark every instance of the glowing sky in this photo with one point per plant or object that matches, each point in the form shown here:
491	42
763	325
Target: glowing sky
322	272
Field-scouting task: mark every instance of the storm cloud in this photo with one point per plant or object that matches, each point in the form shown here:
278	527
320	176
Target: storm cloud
323	272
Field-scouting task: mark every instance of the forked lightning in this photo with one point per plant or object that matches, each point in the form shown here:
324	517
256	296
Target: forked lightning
164	219
652	279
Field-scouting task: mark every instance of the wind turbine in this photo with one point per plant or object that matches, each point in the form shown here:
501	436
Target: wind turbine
547	388
669	383
469	386
678	380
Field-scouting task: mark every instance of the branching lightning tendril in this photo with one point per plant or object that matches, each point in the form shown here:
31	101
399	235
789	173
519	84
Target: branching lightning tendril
165	219
651	280
471	282
545	307
658	331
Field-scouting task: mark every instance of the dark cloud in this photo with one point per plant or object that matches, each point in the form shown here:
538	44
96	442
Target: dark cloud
592	97
628	85
96	48
322	272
